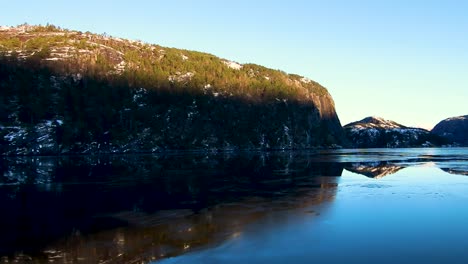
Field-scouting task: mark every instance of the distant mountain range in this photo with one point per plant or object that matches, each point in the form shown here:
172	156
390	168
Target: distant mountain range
377	132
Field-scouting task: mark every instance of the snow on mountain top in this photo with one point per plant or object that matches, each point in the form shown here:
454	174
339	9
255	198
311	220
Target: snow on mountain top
375	122
233	65
457	118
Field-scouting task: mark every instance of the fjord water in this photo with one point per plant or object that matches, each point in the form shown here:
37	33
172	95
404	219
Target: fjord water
337	206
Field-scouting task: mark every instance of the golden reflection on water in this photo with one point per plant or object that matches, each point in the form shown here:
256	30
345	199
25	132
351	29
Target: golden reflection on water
376	171
150	237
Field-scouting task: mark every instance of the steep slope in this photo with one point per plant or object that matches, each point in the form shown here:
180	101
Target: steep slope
66	91
376	132
453	128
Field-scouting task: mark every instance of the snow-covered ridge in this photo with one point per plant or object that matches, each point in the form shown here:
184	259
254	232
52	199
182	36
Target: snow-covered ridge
378	132
457	118
375	122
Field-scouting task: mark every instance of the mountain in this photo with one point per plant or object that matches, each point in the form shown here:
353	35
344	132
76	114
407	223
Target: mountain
376	132
64	91
453	128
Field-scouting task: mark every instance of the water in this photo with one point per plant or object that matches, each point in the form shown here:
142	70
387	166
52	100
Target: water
343	206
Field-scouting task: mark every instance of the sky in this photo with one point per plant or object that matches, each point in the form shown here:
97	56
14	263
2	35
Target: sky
402	60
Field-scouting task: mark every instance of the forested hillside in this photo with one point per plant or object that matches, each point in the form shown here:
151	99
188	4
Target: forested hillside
64	91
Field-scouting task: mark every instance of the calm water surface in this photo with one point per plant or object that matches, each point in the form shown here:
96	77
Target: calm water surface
342	206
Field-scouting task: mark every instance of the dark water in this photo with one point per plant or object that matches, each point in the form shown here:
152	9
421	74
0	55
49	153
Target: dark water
345	206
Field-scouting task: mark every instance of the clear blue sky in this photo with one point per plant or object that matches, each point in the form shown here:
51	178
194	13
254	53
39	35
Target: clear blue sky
401	60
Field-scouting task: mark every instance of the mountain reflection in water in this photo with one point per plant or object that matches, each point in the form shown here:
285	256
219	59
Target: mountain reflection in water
375	170
138	208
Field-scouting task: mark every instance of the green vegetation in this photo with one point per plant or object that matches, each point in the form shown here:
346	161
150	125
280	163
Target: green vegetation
143	97
148	64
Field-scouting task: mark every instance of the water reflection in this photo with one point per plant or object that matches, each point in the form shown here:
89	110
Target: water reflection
125	209
459	167
140	208
418	215
375	170
378	163
378	170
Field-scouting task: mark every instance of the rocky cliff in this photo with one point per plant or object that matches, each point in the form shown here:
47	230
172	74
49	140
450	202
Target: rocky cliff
65	91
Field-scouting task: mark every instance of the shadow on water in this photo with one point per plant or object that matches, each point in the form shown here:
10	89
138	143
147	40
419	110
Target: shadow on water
139	208
126	209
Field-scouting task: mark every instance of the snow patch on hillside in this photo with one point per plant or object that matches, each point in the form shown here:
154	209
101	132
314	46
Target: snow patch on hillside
179	77
15	133
105	47
39	139
456	118
120	67
233	65
383	123
139	96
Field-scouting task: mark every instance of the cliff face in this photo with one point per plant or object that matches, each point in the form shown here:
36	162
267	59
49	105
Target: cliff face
454	128
71	92
331	125
376	132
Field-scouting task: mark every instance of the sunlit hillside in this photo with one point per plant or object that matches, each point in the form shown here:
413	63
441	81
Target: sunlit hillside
66	91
